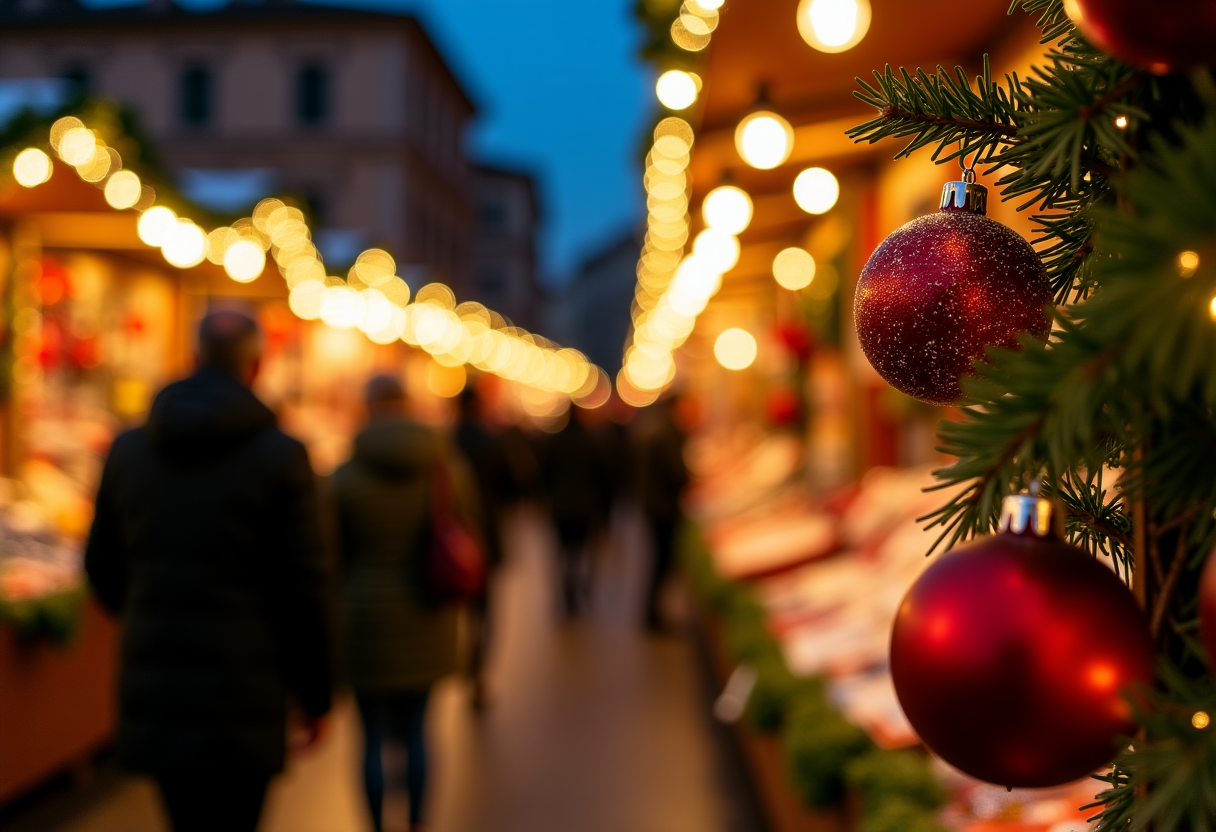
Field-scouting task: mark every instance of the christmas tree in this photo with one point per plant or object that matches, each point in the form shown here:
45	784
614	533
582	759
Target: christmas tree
1115	413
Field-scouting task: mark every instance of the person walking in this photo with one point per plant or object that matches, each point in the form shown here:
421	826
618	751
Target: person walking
398	642
661	476
578	479
206	544
483	448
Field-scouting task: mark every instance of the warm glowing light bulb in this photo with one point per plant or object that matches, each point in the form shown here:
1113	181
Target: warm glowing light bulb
123	189
728	209
77	146
764	140
833	25
676	89
184	244
816	190
719	250
1188	263
244	261
342	307
1121	122
306	299
1212	308
445	382
1201	720
707	5
794	269
155	224
735	349
32	167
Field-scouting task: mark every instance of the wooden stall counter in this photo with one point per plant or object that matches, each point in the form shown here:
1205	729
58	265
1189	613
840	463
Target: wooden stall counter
56	703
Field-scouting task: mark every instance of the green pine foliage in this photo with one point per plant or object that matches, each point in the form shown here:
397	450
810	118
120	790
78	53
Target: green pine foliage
1126	225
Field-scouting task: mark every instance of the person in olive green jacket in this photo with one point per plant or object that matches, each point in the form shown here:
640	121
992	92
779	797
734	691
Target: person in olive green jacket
397	643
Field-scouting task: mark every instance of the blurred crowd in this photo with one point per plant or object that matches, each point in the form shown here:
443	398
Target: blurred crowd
250	591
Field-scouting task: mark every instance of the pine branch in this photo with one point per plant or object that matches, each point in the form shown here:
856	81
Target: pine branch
940	109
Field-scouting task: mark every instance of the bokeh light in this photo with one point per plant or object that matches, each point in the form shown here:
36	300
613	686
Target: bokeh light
77	146
183	244
685	39
816	190
32	167
123	190
728	209
1188	263
244	261
735	349
155	224
676	89
717	249
764	140
342	307
307	298
833	25
794	269
445	382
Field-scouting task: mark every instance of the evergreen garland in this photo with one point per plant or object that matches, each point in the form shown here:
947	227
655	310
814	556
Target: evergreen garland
1120	168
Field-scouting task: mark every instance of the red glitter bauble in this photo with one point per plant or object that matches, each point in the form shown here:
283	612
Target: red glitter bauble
1173	37
1207	607
940	290
1011	656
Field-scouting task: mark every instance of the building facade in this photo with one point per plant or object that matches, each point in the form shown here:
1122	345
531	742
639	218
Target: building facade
353	112
504	243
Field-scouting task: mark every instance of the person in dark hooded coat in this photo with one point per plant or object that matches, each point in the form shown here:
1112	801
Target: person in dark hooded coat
206	544
398	641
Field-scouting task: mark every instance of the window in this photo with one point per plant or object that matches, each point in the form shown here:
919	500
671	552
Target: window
312	95
196	96
493	216
492	281
79	80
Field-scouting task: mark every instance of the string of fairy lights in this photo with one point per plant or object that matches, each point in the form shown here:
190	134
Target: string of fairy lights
371	297
673	286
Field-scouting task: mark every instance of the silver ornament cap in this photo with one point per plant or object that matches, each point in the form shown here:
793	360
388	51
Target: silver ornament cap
966	197
1029	514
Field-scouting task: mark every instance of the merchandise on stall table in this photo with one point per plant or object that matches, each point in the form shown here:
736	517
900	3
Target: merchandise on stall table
777	545
747	481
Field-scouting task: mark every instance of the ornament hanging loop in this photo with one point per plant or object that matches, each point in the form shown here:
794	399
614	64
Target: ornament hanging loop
968	170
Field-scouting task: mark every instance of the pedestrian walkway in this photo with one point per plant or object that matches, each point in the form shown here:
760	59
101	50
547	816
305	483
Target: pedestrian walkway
592	727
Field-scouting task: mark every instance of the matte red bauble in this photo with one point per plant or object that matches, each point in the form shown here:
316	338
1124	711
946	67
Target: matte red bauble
1011	655
941	289
1207	607
1168	37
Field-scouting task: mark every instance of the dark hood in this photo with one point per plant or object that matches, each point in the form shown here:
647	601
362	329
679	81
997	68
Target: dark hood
207	414
396	447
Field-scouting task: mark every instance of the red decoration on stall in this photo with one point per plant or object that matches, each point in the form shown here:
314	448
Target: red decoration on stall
943	288
797	338
1012	655
782	407
1175	37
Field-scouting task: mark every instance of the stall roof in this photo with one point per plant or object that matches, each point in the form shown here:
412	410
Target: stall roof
757	46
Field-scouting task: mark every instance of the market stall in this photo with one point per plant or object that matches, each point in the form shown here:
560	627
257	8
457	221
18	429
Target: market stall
796	594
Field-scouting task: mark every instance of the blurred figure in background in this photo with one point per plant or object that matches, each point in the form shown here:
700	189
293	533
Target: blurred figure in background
398	643
578	479
483	448
658	441
206	544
